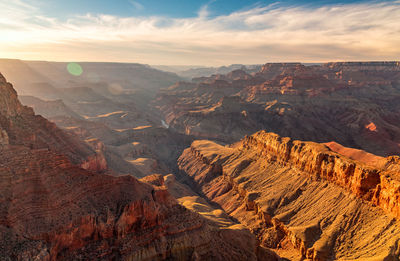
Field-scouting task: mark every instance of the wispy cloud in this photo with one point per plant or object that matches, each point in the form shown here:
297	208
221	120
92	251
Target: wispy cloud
136	5
364	31
204	11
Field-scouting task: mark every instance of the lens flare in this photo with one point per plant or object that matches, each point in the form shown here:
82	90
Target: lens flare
74	69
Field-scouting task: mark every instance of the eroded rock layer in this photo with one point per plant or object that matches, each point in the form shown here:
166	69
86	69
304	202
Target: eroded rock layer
20	126
56	203
354	104
53	210
302	195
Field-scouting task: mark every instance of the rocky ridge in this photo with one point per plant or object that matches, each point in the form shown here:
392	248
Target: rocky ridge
22	127
351	103
301	195
378	185
53	209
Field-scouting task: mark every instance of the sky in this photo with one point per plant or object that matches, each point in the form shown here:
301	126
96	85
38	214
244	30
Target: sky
210	33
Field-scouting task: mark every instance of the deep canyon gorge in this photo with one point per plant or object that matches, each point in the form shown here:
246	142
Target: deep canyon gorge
281	161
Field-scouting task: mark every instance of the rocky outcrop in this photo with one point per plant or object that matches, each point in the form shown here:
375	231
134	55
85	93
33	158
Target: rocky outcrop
55	209
10	106
96	162
351	103
52	210
22	127
316	160
301	195
370	183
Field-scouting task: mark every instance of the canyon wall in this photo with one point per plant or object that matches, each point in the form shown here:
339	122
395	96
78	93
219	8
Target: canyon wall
53	210
378	185
22	127
354	104
58	203
301	196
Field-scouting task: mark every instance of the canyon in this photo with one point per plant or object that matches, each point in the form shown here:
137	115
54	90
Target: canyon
302	195
284	161
56	209
354	104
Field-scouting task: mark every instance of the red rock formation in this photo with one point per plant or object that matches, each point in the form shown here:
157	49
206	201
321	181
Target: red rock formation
96	163
51	209
335	101
316	160
23	127
301	194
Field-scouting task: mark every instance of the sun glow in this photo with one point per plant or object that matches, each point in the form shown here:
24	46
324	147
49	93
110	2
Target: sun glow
364	31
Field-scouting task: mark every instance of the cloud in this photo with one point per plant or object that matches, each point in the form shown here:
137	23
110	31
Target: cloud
203	12
363	31
138	6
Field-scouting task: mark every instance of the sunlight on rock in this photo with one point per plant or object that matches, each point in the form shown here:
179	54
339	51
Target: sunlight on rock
371	126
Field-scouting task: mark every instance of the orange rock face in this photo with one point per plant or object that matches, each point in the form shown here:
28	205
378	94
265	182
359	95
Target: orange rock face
316	160
302	195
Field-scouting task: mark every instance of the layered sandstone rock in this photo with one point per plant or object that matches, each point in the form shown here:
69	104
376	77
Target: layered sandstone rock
354	104
52	209
22	127
316	160
302	195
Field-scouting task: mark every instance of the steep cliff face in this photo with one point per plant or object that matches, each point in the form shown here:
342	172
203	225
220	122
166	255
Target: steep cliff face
22	127
316	160
354	104
302	195
54	209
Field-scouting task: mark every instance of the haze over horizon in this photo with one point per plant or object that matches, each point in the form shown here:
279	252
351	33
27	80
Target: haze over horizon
223	130
209	33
